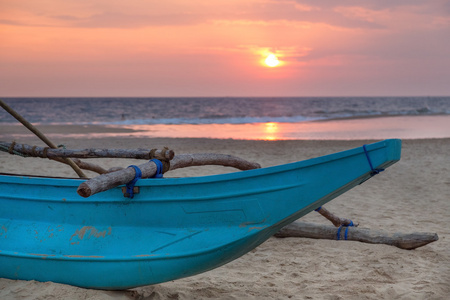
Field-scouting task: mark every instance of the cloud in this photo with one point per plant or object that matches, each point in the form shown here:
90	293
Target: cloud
111	20
304	7
115	14
361	13
137	15
304	11
123	20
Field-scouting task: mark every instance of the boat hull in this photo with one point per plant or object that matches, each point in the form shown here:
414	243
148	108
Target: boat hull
174	227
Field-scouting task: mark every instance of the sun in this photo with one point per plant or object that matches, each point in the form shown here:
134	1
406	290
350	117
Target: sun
272	61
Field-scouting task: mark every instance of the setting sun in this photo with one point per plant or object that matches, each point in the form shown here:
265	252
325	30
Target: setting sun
272	60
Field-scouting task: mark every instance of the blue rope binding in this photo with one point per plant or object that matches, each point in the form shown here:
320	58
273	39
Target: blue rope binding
159	168
374	171
338	234
346	232
130	185
138	175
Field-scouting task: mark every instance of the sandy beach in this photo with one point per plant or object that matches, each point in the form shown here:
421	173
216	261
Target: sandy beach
411	196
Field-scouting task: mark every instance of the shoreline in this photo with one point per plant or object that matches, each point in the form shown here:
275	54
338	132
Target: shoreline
400	199
373	128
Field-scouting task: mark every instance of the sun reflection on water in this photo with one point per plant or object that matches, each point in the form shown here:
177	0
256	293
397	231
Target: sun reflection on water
271	130
381	128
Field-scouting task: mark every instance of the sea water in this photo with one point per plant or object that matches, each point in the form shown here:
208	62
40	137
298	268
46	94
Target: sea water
245	117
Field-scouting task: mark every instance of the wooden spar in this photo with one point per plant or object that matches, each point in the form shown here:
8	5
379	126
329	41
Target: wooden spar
317	231
180	161
116	176
90	166
40	135
185	160
107	181
203	159
337	221
89	153
110	180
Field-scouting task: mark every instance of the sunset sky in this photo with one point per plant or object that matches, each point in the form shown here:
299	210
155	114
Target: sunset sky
151	48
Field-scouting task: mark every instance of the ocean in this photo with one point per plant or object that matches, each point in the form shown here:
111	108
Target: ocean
290	118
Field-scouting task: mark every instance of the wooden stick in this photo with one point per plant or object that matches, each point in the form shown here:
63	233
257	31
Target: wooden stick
180	161
89	153
337	221
108	181
203	159
39	135
316	231
88	166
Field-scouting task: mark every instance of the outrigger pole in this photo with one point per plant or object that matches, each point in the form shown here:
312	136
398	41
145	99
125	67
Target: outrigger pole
40	135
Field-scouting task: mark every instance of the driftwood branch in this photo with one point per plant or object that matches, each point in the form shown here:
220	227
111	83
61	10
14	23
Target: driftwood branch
108	181
46	152
316	231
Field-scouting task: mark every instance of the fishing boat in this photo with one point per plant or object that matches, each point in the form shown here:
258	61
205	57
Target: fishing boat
174	227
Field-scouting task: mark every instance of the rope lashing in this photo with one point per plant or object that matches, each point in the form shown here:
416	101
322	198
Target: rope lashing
130	185
374	171
343	224
162	158
159	168
44	152
11	150
33	152
338	234
346	233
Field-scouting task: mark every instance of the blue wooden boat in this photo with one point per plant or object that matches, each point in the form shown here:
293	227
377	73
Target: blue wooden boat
175	227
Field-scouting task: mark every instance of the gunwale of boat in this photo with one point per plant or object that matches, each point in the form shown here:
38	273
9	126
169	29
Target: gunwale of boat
65	181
